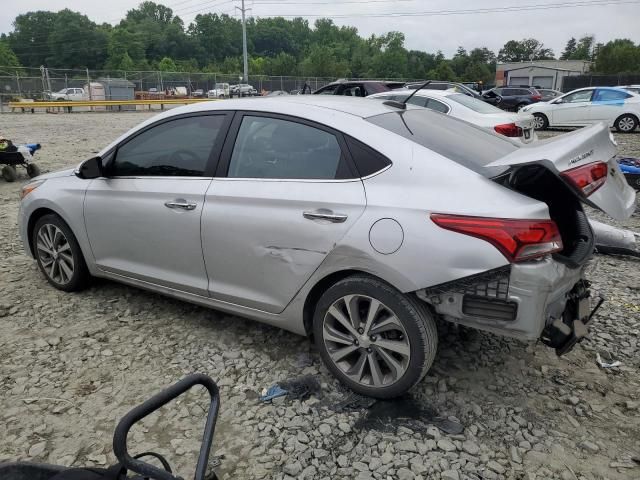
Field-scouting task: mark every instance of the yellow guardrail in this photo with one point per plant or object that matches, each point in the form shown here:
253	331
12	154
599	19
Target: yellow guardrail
104	103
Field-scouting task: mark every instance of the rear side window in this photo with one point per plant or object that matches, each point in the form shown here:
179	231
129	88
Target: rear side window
605	95
436	105
367	160
454	139
274	148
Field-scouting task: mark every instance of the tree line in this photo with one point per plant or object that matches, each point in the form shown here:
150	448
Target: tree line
151	37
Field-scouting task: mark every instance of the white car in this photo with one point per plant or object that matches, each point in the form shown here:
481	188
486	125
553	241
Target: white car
617	107
73	94
221	90
517	126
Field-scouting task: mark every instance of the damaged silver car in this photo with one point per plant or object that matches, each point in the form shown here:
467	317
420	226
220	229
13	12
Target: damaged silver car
353	221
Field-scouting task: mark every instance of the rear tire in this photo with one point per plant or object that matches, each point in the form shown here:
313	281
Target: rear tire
540	121
33	170
626	123
380	353
9	173
58	254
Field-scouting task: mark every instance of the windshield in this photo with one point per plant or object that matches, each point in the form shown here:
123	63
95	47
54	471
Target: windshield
220	86
441	134
473	103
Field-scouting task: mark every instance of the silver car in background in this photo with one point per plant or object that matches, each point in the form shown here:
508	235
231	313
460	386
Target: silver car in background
347	219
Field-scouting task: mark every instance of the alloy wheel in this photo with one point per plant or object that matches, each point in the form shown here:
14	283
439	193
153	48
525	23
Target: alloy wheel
626	124
538	122
366	341
54	252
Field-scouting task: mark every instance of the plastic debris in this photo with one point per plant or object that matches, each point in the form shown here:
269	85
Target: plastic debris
615	241
297	388
602	364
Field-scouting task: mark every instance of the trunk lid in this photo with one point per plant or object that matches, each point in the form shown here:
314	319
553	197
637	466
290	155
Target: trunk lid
576	149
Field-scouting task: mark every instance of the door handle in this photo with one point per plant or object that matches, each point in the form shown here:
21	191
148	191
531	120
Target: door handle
323	214
181	204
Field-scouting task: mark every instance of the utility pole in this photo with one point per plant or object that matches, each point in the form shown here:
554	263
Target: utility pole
244	44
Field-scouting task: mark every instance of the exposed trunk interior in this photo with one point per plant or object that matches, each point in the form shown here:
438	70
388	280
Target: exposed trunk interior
537	181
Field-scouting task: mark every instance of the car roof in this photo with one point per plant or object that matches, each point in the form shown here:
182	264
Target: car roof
305	106
425	92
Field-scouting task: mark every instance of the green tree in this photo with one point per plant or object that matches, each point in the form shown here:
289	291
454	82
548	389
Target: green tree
569	49
443	72
7	57
77	42
460	62
478	72
524	50
30	37
584	48
167	65
618	56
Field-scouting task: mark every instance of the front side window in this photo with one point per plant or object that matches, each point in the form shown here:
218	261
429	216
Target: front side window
178	147
274	148
328	90
607	95
578	97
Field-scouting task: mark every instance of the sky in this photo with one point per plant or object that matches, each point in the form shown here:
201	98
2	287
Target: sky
607	19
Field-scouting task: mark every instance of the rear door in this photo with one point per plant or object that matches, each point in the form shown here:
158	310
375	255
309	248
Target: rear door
573	109
579	152
607	105
285	194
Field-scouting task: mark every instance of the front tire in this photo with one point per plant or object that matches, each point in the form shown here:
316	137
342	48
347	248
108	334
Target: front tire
376	340
58	254
540	121
626	123
33	170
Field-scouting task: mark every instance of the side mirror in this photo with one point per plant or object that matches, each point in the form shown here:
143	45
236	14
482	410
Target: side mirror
557	101
89	169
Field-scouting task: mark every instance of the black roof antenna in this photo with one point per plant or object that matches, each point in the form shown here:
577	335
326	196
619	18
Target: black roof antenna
403	103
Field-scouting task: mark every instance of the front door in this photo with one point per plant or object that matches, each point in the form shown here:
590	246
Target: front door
143	219
287	196
572	109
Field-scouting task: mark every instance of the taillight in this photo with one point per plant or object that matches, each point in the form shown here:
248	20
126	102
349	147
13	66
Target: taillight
587	178
537	98
509	130
517	240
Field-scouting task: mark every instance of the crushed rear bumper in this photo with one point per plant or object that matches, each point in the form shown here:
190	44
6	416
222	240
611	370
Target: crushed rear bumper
520	300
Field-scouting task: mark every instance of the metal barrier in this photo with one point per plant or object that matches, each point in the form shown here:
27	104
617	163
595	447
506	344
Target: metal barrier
31	106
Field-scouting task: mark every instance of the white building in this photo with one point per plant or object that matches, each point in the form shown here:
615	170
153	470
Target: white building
539	73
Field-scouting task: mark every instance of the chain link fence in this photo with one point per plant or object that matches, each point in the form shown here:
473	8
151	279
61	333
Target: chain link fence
39	83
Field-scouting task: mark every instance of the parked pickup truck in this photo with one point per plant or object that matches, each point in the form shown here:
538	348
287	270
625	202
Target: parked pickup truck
73	94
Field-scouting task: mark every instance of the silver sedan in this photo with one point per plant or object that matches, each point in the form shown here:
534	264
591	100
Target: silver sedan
357	222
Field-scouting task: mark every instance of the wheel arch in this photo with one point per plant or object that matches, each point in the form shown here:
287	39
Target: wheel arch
37	214
631	114
322	285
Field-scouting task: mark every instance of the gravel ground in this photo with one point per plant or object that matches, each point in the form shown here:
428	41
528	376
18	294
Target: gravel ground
73	364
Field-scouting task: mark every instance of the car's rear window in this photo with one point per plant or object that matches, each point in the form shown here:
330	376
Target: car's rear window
473	103
455	139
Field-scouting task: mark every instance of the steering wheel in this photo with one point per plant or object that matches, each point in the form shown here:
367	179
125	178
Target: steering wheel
183	156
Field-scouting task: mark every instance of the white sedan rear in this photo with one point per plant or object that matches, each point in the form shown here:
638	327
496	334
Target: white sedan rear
617	107
519	127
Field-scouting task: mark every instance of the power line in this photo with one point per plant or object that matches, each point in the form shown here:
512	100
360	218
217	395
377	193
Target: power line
546	6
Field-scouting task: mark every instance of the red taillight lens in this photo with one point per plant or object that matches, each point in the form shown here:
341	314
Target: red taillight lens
509	130
536	97
587	178
517	239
